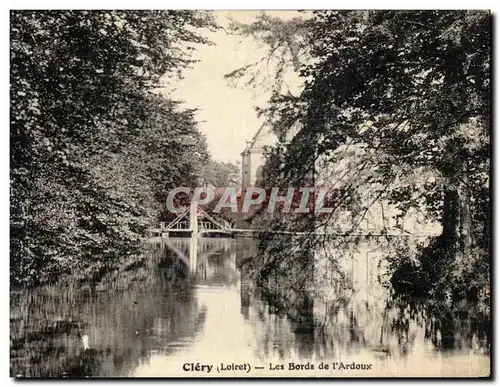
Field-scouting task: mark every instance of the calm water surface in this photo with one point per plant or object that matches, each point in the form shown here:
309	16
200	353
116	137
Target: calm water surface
188	302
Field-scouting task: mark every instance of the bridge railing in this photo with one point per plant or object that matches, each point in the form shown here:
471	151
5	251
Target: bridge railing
195	218
184	225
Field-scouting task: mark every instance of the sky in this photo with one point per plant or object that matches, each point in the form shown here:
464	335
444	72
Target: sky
226	113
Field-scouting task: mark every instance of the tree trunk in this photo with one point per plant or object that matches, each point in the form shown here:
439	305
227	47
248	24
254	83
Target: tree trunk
451	210
457	220
465	218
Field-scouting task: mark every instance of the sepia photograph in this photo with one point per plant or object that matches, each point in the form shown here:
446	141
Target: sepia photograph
250	194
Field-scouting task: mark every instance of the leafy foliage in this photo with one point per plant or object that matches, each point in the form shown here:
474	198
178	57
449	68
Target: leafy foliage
286	48
92	145
221	174
397	104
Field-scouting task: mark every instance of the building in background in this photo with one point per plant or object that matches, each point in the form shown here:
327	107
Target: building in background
252	157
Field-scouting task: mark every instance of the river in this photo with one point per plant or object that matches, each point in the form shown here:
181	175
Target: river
187	308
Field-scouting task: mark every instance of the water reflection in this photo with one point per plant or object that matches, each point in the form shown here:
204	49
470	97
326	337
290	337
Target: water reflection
193	300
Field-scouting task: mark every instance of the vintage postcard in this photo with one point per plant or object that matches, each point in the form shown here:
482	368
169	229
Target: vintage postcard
246	194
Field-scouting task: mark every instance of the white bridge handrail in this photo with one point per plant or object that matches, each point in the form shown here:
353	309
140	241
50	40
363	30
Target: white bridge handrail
180	220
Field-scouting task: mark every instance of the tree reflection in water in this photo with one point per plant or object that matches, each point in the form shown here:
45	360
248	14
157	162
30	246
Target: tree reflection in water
336	304
175	301
127	316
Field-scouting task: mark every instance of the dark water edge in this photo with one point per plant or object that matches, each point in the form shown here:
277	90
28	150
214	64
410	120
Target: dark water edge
118	313
173	301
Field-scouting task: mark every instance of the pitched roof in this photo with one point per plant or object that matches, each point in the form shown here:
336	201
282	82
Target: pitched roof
260	139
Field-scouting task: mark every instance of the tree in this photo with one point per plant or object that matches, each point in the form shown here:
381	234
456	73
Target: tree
286	47
403	97
221	174
86	153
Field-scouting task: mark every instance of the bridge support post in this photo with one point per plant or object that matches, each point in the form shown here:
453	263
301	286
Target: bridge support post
193	218
193	254
163	232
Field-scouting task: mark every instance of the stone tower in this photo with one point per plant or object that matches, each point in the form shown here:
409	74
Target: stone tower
252	157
